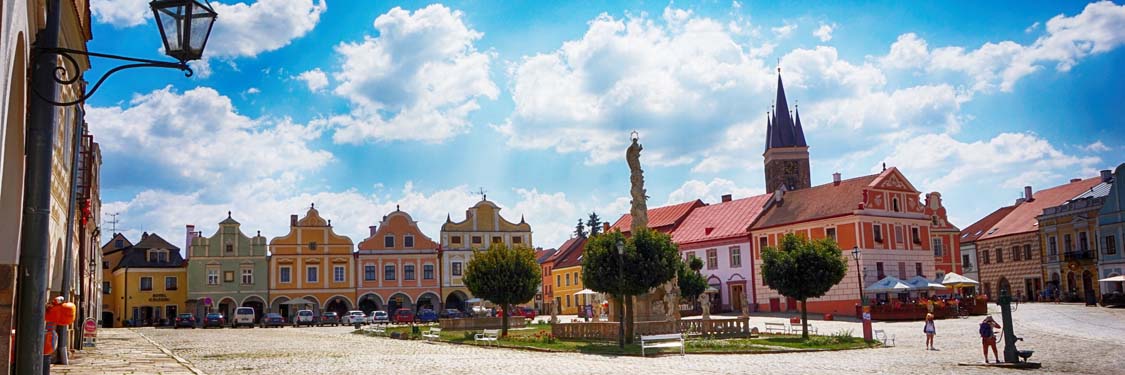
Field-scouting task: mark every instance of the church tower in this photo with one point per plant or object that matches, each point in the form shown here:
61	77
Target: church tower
787	154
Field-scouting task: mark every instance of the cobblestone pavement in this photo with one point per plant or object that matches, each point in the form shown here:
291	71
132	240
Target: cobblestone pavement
125	351
1066	339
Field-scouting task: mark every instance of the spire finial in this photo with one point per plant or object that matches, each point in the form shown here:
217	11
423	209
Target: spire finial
884	166
312	205
228	214
397	208
778	65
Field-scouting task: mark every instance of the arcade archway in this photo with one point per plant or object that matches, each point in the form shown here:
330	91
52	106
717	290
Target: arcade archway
370	302
456	300
339	305
398	301
428	301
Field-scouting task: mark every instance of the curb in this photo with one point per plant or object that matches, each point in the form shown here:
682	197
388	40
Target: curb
166	351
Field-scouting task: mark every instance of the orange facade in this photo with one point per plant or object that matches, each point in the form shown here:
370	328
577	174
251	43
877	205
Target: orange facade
397	267
313	263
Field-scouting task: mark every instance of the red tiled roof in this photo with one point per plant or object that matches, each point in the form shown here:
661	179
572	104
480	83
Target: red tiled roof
977	229
660	217
817	202
543	255
720	221
1023	218
569	253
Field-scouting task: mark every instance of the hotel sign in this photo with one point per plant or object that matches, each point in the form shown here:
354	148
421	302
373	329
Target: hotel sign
159	298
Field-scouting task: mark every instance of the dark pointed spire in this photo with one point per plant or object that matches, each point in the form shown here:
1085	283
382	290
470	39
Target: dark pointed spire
799	136
769	130
782	132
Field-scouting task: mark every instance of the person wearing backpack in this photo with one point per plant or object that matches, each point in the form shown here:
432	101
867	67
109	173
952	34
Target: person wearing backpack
930	330
988	337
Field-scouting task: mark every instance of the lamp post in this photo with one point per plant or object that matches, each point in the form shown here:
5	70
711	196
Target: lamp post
859	275
864	311
621	298
184	27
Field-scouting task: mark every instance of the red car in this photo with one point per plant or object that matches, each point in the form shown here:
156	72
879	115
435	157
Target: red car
524	312
404	316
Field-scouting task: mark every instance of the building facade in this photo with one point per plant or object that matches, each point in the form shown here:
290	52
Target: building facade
719	234
545	298
397	267
481	227
1111	234
969	252
311	267
567	273
148	285
227	270
945	238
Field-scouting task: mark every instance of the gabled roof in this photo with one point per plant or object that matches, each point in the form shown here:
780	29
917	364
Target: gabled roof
720	221
543	255
228	220
111	246
817	202
663	219
570	253
137	255
977	229
1023	218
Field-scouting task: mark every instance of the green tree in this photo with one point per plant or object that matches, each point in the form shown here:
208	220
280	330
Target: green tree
690	280
595	224
580	229
803	269
650	259
503	275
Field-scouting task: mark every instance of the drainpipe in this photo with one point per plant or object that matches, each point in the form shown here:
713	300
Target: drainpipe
34	245
62	356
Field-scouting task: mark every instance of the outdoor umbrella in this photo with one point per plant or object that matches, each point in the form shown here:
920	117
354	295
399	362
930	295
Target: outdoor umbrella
586	292
1114	279
921	283
889	284
953	280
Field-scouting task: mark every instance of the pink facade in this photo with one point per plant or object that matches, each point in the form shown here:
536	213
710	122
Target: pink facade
397	267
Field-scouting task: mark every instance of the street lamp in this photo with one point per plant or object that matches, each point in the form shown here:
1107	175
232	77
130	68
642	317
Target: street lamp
184	26
620	284
859	275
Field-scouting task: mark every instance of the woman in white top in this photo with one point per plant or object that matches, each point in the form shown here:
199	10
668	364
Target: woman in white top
930	331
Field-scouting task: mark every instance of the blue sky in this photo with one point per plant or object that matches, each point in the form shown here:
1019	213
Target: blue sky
361	106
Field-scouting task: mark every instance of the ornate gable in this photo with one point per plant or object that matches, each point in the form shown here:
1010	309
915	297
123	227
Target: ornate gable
892	179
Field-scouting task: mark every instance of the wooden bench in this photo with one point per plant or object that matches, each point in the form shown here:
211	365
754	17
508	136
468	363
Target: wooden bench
489	336
778	327
433	334
669	340
881	335
378	330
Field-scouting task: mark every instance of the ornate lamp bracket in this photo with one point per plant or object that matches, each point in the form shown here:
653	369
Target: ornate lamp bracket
63	77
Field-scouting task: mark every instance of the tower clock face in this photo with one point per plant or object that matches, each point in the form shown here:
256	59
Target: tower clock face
790	167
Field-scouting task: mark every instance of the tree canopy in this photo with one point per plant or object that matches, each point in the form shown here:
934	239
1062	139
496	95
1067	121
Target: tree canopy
595	224
690	280
803	269
650	259
503	275
580	229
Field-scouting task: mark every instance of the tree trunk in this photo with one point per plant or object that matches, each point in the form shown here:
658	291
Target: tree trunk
621	318
504	319
804	319
629	319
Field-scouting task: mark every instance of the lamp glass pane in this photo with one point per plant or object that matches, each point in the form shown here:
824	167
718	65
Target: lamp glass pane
170	19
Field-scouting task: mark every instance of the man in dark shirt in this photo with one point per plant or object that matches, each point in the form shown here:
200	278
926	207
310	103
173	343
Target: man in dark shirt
988	337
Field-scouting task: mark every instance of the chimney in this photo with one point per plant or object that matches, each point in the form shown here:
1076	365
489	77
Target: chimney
372	230
605	227
190	235
778	195
1073	180
726	197
292	220
1027	196
836	179
1107	175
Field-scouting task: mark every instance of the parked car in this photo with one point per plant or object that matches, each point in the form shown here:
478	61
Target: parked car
524	312
380	316
304	318
404	316
355	317
329	318
1113	298
451	313
272	320
426	316
214	320
243	316
185	320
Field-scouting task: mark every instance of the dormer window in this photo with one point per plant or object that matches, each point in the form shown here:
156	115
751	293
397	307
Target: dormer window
157	255
312	245
894	204
408	241
229	247
389	241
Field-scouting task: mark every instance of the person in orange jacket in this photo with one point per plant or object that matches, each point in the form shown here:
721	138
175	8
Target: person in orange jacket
59	313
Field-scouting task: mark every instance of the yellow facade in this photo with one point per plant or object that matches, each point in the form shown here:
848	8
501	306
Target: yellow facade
567	282
481	227
157	304
314	263
1069	247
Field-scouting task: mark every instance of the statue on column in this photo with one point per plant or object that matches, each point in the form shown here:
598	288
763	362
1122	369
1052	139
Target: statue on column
639	209
705	303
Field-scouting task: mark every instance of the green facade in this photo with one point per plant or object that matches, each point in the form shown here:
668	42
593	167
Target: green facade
217	266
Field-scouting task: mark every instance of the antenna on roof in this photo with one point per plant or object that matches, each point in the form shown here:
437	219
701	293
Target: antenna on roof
483	194
114	221
884	166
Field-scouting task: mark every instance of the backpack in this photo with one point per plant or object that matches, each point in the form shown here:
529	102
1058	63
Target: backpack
985	330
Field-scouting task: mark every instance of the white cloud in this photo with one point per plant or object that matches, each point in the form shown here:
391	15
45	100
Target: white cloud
246	30
909	51
824	32
315	79
783	31
1097	146
253	90
419	79
121	13
1030	29
710	192
927	106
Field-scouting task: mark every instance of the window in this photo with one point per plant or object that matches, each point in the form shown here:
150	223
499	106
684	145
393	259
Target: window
170	283
105	264
735	256
230	248
312	274
899	238
118	244
389	272
428	272
1027	252
558	279
312	245
389	241
1083	243
338	274
146	283
965	262
987	288
107	288
1052	247
879	270
894	204
517	239
1067	245
567	300
212	276
1015	253
455	269
228	276
933	220
455	240
568	279
285	274
762	243
408	272
690	254
497	239
918	269
712	259
247	276
902	270
937	247
878	229
915	235
830	233
984	257
999	256
369	273
408	241
1110	245
477	240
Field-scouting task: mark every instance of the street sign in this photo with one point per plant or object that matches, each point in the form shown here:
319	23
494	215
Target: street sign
90	327
206	301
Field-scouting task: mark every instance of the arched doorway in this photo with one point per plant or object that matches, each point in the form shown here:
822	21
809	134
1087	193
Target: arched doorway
11	180
456	300
1088	288
1005	286
370	302
277	307
428	301
339	305
255	303
1071	282
397	301
226	307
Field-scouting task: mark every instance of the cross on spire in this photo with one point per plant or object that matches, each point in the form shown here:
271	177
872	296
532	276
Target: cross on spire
483	194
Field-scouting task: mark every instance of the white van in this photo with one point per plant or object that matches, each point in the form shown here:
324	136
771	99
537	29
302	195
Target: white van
304	318
243	316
